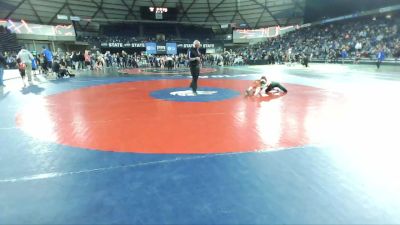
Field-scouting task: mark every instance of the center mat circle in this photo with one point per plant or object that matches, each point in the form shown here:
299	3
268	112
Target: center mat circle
124	117
204	94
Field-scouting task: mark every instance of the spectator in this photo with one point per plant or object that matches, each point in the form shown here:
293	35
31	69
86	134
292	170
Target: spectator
26	58
2	67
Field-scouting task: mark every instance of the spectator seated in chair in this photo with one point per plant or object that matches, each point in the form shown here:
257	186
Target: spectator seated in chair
56	68
63	72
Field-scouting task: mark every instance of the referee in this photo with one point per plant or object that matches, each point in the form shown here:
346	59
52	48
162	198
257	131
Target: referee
194	64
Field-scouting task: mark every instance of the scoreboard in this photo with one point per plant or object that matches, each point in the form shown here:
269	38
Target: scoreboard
158	13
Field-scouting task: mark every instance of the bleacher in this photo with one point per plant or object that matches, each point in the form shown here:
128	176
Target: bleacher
122	30
195	32
8	41
152	29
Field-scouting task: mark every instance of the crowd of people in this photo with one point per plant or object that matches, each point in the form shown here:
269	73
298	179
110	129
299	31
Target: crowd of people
349	40
62	63
10	60
95	60
330	43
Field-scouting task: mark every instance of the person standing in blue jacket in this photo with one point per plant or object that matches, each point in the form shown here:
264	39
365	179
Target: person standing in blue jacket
343	54
380	57
34	65
48	56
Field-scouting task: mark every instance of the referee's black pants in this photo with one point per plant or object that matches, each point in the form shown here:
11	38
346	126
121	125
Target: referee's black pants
195	71
378	63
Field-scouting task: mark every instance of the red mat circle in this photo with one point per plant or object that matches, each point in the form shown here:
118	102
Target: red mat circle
123	117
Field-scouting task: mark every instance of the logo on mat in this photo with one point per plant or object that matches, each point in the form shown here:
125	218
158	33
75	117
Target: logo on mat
204	94
190	93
